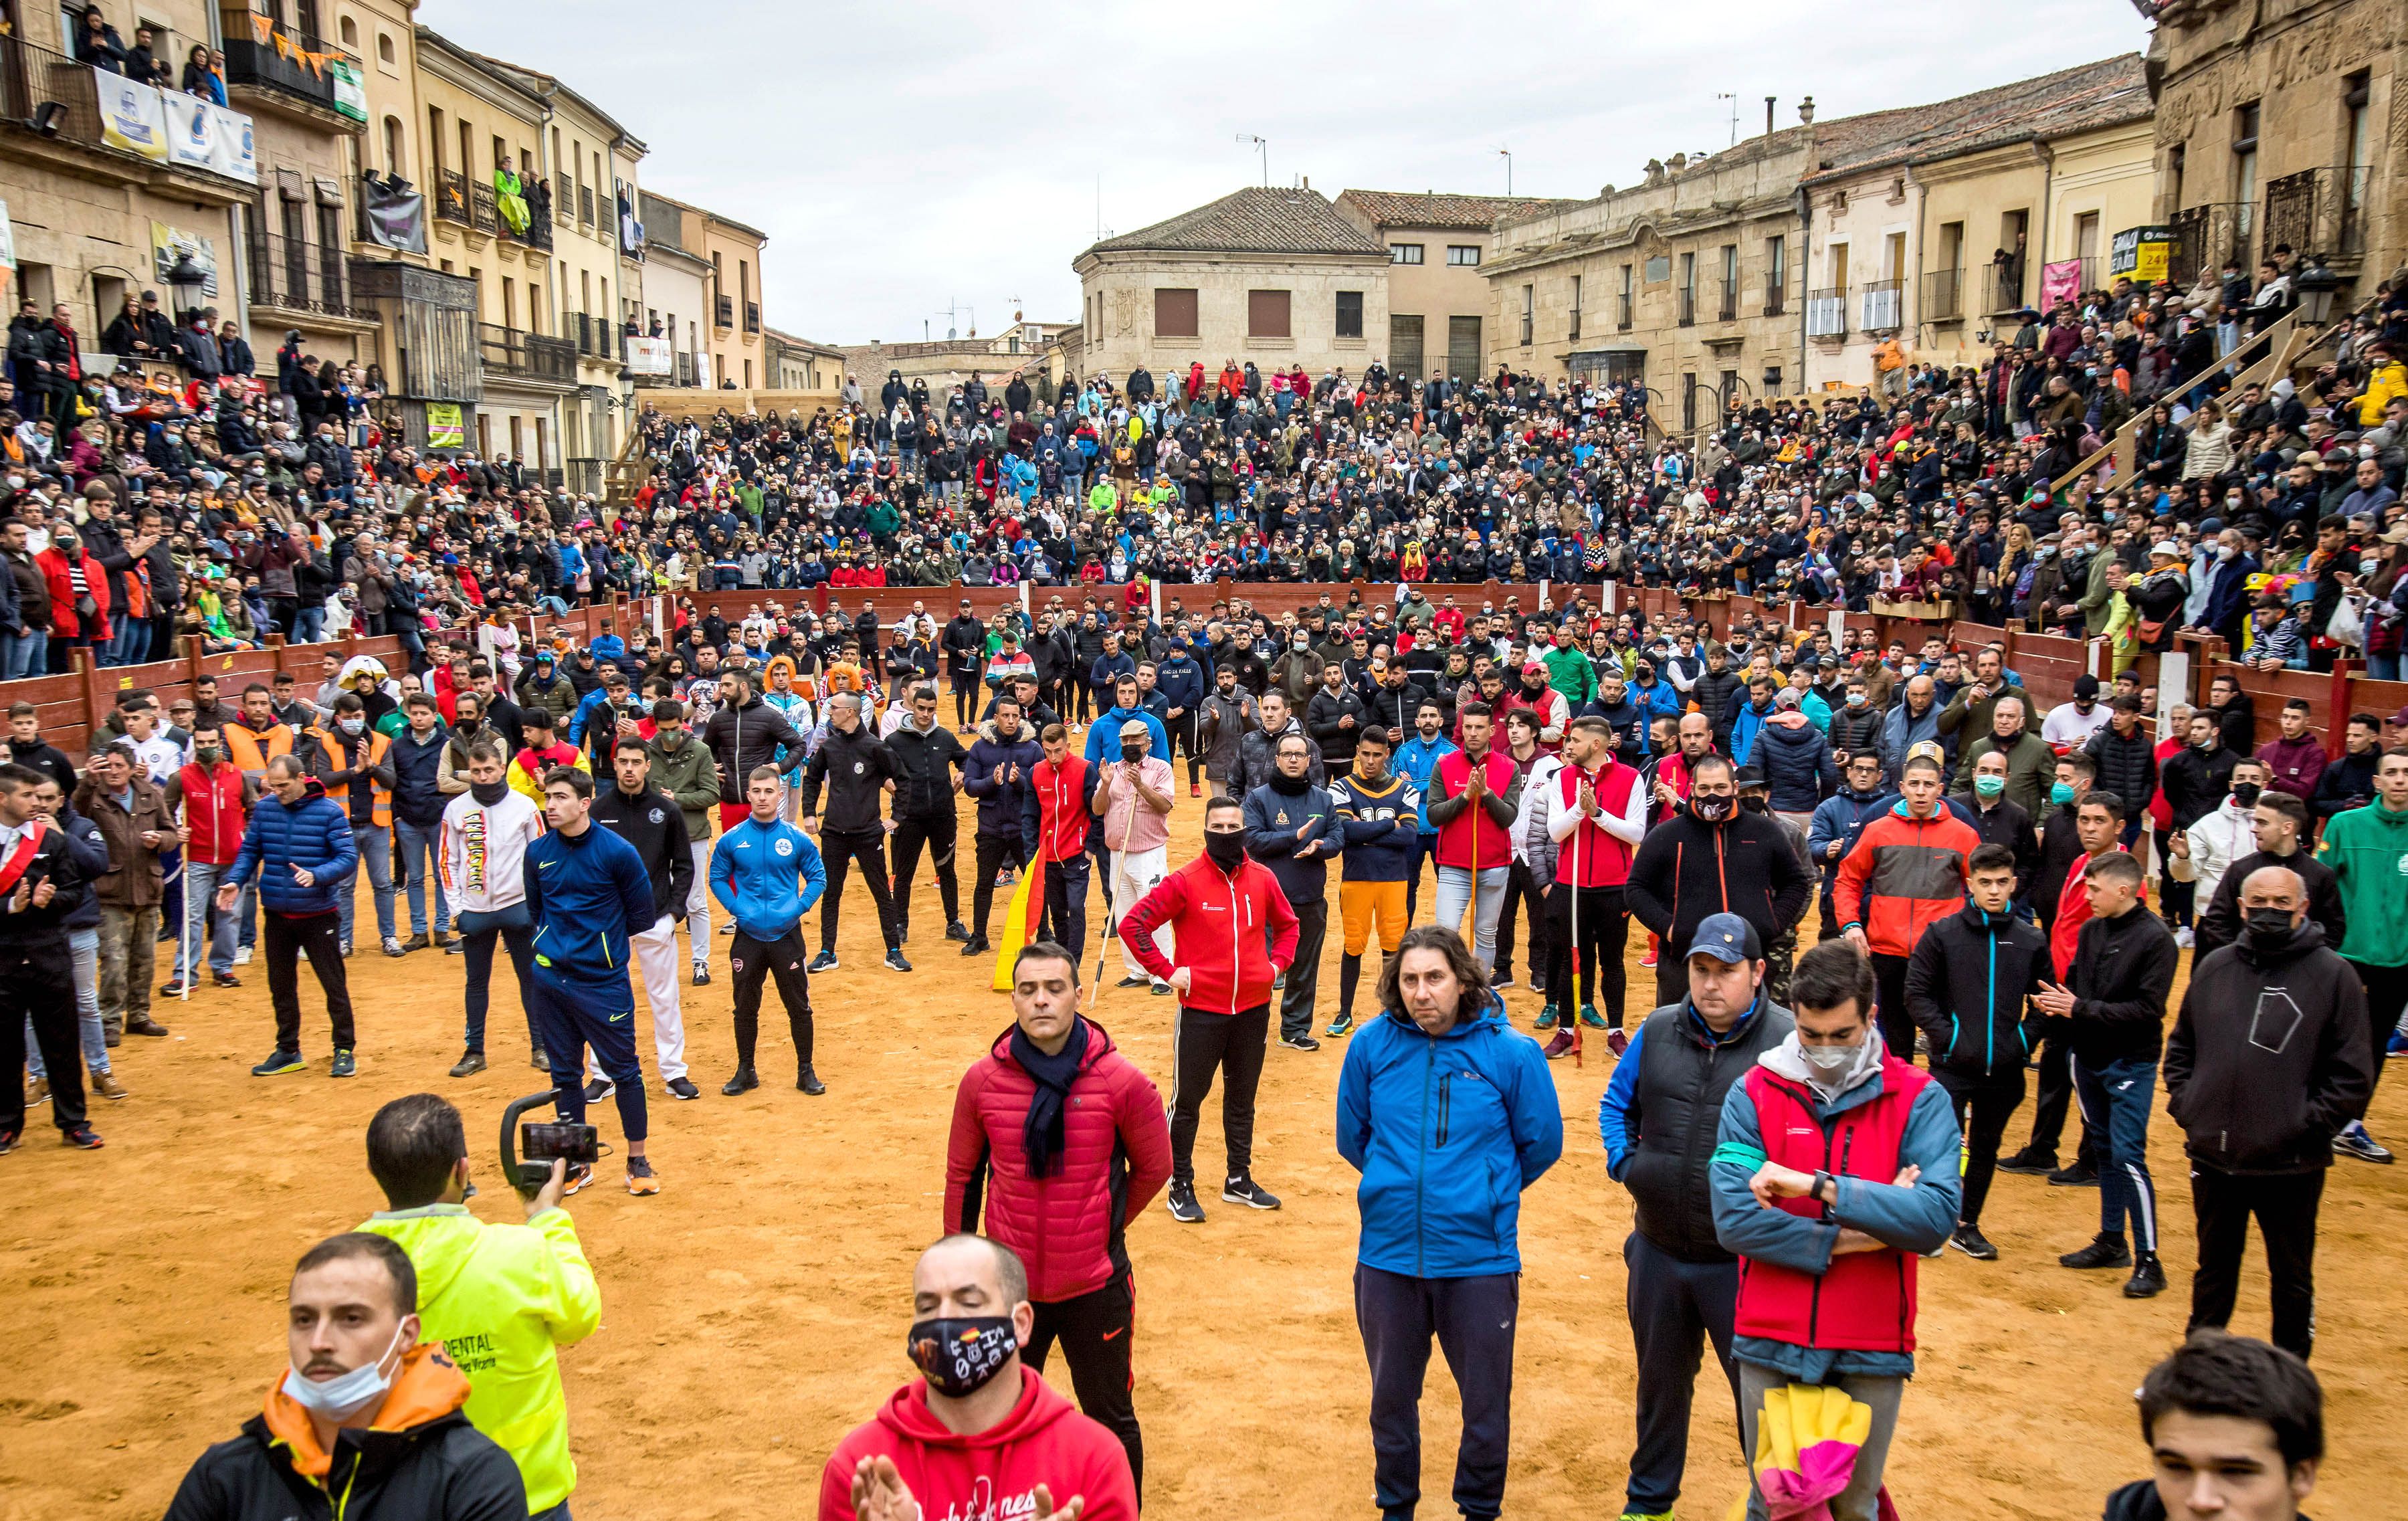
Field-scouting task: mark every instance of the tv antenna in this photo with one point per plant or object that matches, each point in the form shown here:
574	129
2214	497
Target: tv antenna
1507	154
1733	98
1262	147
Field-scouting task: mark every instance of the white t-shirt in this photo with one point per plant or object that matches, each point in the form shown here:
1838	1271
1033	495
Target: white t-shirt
2069	725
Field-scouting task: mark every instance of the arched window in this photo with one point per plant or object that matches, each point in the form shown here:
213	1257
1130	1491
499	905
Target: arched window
351	33
384	48
393	151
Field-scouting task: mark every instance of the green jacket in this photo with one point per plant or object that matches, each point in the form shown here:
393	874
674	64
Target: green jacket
500	1298
2368	849
1569	671
690	777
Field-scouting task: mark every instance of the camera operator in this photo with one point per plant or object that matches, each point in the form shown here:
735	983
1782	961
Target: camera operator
500	1298
983	1433
368	1415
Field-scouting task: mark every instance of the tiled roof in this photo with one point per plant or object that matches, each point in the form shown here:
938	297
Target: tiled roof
1470	213
1256	219
2081	99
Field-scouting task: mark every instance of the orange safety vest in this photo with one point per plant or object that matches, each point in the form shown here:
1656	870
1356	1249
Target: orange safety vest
251	749
381	796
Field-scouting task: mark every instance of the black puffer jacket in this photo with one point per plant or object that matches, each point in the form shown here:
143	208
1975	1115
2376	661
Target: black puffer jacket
2269	1056
444	1469
743	739
2128	767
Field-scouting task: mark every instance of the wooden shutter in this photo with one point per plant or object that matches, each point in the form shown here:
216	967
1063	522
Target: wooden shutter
1174	313
1267	314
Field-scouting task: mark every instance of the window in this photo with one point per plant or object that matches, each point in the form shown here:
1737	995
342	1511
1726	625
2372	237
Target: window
1575	315
510	302
2245	172
1776	275
434	138
1773	379
1622	315
1463	354
351	33
1405	347
1731	281
1349	314
2355	149
1404	253
1174	313
1463	255
1530	312
1688	289
1267	314
1688	404
393	153
384	49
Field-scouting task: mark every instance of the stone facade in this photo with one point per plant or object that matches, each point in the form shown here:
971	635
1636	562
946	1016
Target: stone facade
1439	300
2284	121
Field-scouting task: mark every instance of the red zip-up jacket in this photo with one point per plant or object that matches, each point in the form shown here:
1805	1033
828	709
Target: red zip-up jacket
1063	815
1217	922
1904	873
213	811
1115	1157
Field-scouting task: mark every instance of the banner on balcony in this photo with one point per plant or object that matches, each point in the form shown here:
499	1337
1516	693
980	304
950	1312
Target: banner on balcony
350	92
132	120
702	369
444	427
192	132
648	356
393	218
169	244
232	150
2059	281
2142	253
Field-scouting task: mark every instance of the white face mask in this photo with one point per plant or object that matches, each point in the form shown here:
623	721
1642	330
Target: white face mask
1828	1061
344	1396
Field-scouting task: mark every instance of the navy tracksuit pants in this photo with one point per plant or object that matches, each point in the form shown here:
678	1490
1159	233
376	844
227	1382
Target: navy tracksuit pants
1473	1321
571	1015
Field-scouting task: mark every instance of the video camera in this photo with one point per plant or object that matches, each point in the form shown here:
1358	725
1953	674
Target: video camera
529	1150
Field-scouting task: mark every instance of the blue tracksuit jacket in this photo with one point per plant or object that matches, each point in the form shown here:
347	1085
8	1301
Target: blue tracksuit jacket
767	875
587	895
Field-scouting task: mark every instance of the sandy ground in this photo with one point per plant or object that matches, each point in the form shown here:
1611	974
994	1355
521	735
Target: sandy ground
754	1309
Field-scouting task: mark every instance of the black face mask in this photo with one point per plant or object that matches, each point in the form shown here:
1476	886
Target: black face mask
1710	810
489	793
961	1355
1225	850
2245	794
2267	928
1756	805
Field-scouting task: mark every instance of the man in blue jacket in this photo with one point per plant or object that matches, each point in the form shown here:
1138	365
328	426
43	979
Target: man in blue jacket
1449	1114
998	774
1127	707
300	848
767	874
1839	819
1182	682
588	896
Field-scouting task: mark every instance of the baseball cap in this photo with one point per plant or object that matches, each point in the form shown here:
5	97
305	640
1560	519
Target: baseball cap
1727	937
2086	685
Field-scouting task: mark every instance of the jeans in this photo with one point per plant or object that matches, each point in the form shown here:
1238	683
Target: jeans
130	644
478	932
310	625
84	945
418	845
22	654
129	940
2383	665
375	841
1454	895
1473	1320
2115	1100
1858	1501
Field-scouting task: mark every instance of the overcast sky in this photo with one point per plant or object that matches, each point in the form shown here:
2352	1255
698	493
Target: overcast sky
903	158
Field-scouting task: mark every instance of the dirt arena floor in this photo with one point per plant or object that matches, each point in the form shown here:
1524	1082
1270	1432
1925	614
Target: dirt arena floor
754	1310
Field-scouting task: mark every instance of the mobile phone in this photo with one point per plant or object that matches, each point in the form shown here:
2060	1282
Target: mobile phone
547	1144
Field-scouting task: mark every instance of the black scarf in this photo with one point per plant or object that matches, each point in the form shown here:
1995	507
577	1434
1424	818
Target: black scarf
1041	1137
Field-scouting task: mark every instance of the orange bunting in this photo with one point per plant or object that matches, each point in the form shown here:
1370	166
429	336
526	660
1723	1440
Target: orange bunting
262	26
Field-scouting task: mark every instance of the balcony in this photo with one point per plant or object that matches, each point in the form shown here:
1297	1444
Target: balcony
1776	296
752	316
528	356
301	280
450	197
34	79
1621	314
1729	311
2206	236
565	200
2319	212
1827	313
580	330
2003	289
538	230
1884	302
1688	307
258	75
724	314
1943	295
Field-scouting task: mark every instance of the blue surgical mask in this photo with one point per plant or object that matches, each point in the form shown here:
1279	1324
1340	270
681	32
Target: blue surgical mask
344	1396
2061	793
1989	786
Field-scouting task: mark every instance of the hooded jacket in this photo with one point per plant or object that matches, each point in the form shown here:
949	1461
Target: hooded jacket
2219	922
1968	985
1067	1226
1796	760
2269	1056
689	774
313	834
420	1459
767	876
1904	873
741	738
1902	731
994	1472
853	767
1001	805
1687	869
501	1298
1447	1131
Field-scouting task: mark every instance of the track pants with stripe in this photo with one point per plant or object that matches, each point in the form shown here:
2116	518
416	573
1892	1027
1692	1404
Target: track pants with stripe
2115	1100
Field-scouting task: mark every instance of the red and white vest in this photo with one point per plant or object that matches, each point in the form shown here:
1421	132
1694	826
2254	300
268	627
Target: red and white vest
1603	861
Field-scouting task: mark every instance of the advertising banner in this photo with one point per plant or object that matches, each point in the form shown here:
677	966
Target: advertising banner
351	93
648	356
2141	252
2059	281
232	150
132	120
444	427
192	132
168	244
8	240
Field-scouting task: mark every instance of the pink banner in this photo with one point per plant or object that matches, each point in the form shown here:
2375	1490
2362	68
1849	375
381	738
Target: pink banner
2059	281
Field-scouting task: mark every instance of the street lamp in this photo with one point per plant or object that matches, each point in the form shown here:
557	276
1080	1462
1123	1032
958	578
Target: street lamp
182	276
2316	285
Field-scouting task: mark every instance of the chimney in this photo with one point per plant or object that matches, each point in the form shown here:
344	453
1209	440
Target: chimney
1768	116
1806	110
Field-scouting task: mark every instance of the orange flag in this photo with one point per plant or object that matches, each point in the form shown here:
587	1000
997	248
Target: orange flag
261	26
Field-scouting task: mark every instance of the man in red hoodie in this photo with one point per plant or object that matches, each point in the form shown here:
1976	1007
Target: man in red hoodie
1058	1142
980	1434
1217	906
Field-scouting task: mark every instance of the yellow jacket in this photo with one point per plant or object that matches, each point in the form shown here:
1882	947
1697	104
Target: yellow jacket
500	1298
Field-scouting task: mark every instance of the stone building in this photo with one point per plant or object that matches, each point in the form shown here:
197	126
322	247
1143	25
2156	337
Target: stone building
1926	224
2281	123
1021	349
1438	291
801	365
1686	283
677	279
1270	275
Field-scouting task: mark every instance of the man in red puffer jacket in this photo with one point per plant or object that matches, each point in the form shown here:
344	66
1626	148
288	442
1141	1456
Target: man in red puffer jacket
1060	1177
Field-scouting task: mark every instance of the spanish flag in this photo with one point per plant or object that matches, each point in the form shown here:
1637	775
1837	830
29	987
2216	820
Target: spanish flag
1020	922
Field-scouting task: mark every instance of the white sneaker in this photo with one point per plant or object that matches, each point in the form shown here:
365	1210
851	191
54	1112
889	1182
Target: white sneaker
2185	938
242	956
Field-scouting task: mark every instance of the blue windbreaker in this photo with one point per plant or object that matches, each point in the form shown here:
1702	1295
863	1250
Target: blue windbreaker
1418	759
587	896
768	875
1447	1131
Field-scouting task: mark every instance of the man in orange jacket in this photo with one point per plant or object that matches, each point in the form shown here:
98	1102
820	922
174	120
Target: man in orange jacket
1907	870
1217	906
